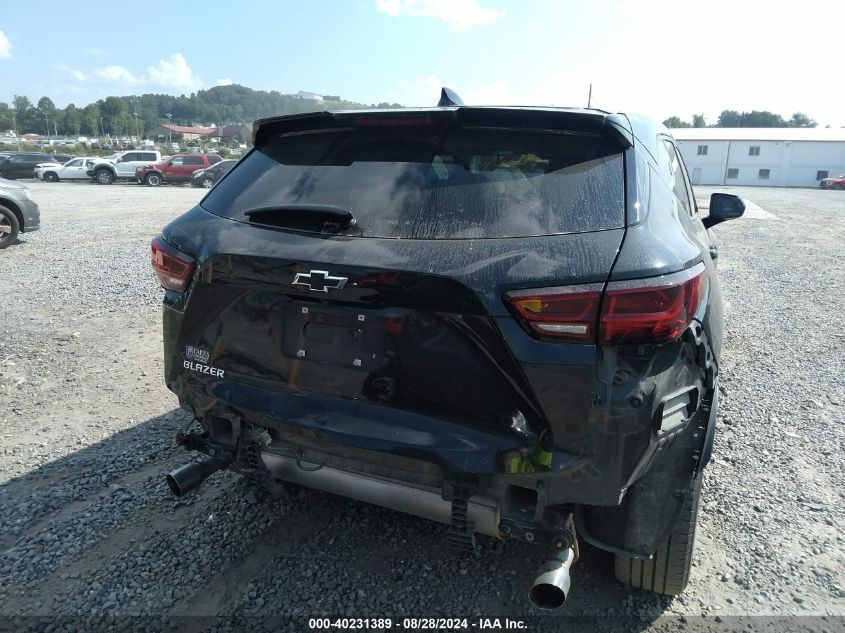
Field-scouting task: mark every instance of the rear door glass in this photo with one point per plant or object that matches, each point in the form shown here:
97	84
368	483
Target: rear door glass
452	183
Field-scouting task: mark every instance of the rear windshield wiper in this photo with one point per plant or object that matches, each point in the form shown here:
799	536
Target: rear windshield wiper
306	217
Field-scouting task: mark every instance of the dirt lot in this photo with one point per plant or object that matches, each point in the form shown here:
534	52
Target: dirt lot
87	526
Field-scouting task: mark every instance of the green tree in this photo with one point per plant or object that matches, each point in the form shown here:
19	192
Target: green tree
111	111
728	118
25	115
7	120
47	114
72	120
761	118
799	119
675	122
90	121
698	120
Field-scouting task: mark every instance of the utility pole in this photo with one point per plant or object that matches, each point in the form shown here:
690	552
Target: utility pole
169	136
590	95
47	121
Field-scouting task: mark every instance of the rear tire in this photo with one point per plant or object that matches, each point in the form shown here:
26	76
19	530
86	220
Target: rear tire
103	177
667	571
9	227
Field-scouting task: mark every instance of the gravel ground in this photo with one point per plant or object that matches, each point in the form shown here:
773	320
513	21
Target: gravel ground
88	529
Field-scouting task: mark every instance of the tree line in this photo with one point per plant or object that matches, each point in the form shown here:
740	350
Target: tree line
129	115
755	118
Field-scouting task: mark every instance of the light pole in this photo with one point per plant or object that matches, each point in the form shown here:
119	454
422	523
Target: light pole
47	121
169	140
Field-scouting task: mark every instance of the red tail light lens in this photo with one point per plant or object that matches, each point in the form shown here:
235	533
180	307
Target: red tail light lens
651	311
628	312
172	267
566	313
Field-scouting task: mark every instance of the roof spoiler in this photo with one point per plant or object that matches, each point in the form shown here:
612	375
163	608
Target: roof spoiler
611	125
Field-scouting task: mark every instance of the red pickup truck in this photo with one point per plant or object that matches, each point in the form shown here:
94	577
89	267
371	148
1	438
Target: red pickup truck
179	168
837	182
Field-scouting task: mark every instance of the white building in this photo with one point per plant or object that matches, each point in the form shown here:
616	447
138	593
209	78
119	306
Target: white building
772	157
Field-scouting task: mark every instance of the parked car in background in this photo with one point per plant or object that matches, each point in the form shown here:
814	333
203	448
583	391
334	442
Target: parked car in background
19	213
21	164
40	167
121	166
836	182
76	169
178	169
207	177
505	319
63	158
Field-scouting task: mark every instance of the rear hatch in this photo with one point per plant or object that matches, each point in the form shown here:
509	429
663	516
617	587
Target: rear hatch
354	282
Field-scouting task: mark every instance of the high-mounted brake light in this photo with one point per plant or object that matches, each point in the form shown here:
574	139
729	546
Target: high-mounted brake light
394	121
651	310
172	267
626	312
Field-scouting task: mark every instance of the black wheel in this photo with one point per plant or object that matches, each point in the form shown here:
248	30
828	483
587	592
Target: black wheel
51	177
207	183
9	227
103	177
153	180
667	571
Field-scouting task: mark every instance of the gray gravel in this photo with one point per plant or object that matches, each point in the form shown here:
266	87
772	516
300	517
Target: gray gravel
88	528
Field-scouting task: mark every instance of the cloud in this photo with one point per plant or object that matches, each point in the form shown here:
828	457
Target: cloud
173	72
423	91
5	47
96	52
460	15
496	93
73	72
117	74
225	82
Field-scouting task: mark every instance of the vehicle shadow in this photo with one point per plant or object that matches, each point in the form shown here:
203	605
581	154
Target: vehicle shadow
97	533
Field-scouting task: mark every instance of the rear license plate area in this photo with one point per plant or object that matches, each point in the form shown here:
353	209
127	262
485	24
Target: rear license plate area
336	336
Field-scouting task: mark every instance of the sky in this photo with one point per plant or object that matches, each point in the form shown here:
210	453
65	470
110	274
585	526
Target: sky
658	57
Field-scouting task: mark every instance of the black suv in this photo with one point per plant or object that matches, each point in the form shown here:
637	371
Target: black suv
504	319
21	164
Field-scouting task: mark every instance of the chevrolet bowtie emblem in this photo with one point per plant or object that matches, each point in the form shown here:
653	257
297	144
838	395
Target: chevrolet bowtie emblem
319	281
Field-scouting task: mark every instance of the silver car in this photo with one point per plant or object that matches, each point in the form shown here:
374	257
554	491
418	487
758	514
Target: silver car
19	213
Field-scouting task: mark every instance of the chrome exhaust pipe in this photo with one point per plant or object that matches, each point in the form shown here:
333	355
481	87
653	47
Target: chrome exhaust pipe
551	586
188	477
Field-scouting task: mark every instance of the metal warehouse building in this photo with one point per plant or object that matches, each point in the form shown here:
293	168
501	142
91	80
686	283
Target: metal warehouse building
770	156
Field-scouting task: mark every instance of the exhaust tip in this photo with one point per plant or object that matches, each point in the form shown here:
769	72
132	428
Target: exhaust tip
188	477
547	596
173	485
551	586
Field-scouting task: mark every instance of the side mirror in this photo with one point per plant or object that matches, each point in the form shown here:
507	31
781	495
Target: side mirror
723	206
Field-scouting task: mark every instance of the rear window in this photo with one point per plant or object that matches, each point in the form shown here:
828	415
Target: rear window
432	183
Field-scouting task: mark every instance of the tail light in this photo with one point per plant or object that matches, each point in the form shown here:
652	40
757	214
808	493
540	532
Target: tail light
566	313
627	312
651	310
172	267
